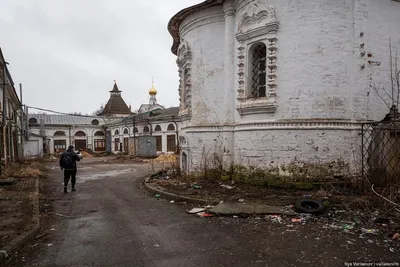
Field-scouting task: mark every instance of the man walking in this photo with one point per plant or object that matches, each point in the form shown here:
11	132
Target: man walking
68	164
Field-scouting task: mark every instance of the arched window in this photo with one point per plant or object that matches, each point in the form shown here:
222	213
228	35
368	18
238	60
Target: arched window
59	133
146	129
116	132
171	127
157	128
135	130
95	122
258	66
99	133
32	121
126	131
80	133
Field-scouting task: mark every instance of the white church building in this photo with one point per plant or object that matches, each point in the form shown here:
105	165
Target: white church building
267	83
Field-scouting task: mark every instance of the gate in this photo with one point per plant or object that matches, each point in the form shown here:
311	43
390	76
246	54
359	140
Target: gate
381	152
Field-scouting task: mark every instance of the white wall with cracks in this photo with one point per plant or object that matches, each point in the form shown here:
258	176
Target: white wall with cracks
325	57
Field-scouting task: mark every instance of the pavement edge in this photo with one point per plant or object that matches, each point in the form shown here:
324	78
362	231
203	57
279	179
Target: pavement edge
168	195
21	239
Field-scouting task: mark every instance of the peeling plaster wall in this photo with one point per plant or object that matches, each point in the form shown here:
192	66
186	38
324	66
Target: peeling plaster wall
320	81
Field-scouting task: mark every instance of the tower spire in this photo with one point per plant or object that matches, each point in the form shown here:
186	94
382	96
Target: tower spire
152	93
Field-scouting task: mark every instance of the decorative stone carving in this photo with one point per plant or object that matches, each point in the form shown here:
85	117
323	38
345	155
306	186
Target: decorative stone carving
185	85
241	94
182	141
257	27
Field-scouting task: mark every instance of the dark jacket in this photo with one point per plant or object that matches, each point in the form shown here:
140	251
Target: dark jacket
74	158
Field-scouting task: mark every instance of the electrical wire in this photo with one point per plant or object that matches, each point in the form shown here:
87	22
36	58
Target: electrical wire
63	113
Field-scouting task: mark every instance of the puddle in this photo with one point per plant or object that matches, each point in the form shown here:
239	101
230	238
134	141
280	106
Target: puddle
106	174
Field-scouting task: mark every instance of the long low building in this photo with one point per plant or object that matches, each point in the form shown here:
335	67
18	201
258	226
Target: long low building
116	130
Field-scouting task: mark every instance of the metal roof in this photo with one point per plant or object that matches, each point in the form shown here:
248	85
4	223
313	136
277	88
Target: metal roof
51	119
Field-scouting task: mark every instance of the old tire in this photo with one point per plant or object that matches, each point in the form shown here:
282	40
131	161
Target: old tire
309	206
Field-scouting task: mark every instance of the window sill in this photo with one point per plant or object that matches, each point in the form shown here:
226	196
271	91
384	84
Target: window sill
256	106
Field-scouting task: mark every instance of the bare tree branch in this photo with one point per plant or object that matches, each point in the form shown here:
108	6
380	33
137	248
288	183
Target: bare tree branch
391	69
377	92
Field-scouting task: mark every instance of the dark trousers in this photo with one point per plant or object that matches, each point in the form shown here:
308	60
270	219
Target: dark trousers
70	174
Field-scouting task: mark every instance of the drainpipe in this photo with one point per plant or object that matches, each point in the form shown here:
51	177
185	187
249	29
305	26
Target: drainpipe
69	134
129	134
134	136
177	135
151	127
4	117
22	125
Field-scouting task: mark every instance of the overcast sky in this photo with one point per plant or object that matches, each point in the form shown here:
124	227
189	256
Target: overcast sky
67	53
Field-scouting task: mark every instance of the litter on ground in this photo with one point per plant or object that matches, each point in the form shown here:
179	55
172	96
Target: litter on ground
195	210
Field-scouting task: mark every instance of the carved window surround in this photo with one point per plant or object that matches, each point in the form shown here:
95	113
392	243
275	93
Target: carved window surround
184	63
260	27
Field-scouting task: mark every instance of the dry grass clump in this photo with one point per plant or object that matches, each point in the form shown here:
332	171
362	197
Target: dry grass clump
28	169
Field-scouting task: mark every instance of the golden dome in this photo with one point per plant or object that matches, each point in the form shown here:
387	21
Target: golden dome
152	91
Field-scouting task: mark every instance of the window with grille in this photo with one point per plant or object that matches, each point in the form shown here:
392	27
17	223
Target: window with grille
116	144
126	144
158	128
146	129
126	131
60	145
171	127
258	63
158	143
171	143
99	145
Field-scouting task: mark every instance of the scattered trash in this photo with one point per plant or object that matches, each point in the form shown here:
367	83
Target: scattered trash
52	229
172	201
195	186
235	216
49	245
307	195
209	207
241	200
369	231
195	210
296	220
274	218
221	202
349	242
227	186
340	211
157	245
157	196
34	245
205	214
396	236
370	241
391	249
348	227
289	225
334	226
